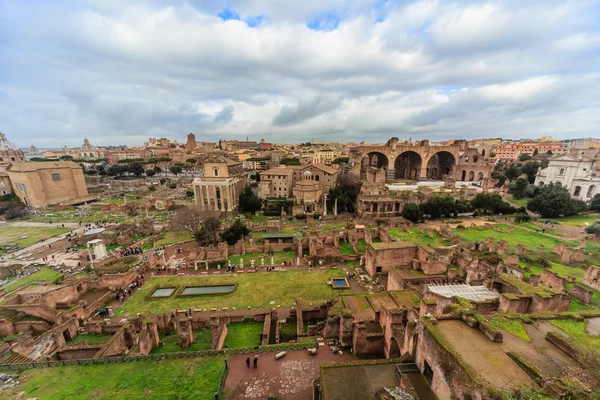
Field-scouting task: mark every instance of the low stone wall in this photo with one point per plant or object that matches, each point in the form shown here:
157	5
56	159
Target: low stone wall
563	344
266	332
581	293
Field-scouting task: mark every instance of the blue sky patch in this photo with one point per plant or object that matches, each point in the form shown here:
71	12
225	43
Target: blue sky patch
327	22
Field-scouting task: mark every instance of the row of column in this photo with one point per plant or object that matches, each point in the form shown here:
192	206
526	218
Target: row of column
207	199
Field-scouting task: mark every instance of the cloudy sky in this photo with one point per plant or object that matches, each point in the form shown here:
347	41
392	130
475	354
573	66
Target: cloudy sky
119	71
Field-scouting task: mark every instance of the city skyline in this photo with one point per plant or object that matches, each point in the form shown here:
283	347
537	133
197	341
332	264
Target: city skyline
344	71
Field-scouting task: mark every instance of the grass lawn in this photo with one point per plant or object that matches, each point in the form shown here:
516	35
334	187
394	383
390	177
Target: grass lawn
577	331
415	235
278	258
44	274
531	225
287	332
575	220
73	215
530	240
16	234
346	248
172	237
331	226
202	341
243	334
90	339
193	378
514	327
256	290
518	202
361	245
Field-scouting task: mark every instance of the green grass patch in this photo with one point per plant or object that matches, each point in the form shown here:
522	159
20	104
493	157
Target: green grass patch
288	332
90	339
577	331
202	341
346	248
361	245
531	240
24	236
576	220
514	327
44	274
172	237
333	226
415	235
243	334
518	202
194	378
254	290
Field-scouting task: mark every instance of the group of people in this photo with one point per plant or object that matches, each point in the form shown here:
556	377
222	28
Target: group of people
131	250
188	313
106	312
255	362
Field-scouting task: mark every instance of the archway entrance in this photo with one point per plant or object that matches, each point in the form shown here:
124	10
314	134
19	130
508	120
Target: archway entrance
373	159
394	348
440	165
408	165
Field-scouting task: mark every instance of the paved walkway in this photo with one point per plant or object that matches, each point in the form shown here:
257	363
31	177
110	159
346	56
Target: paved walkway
290	378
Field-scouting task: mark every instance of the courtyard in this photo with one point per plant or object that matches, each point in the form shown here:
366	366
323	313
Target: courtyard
254	290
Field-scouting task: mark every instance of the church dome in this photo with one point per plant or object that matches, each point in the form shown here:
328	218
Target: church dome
87	146
5	144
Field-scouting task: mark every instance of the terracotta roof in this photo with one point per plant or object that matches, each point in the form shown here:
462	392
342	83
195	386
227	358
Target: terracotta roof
35	166
326	168
277	171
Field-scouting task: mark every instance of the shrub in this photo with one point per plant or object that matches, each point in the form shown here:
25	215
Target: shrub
300	216
461	226
522	218
171	185
412	212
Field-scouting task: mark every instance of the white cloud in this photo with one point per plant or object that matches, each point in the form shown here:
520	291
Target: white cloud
117	72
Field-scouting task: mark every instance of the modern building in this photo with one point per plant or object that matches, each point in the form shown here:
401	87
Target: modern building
325	156
220	186
580	175
512	151
42	184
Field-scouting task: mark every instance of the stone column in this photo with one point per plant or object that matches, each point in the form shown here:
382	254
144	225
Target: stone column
325	204
200	193
335	207
213	197
222	192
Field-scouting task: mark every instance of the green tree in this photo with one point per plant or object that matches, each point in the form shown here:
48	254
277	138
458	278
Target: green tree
489	203
175	169
552	201
524	157
249	203
594	229
512	172
289	161
412	212
530	169
500	176
439	206
136	169
150	172
595	203
519	188
235	232
536	152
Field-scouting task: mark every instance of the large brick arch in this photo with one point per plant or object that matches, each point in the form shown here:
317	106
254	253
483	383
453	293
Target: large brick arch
394	148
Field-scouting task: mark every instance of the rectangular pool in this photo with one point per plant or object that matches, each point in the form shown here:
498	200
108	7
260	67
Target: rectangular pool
163	292
207	290
339	283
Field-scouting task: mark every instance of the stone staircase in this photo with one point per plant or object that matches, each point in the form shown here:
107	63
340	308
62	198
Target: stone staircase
16	358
